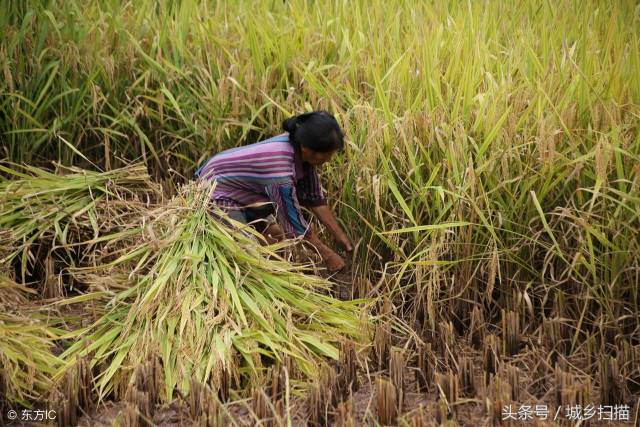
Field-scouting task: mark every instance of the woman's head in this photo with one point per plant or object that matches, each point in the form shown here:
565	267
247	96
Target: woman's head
317	134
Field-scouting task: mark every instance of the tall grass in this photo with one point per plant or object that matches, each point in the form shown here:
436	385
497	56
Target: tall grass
493	147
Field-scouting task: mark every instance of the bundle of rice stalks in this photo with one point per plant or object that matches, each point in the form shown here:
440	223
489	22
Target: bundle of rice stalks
26	343
211	302
70	207
12	295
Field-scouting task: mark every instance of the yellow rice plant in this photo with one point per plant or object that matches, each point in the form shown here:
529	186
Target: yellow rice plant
27	340
211	302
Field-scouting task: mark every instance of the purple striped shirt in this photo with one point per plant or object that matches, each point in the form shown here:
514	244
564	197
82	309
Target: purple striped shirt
267	171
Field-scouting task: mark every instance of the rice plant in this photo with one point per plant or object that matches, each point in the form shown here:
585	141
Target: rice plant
65	208
28	336
210	302
490	175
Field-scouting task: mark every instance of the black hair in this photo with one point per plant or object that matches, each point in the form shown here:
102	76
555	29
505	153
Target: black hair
319	131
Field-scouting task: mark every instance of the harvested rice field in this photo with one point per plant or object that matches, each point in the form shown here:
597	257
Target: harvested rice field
469	253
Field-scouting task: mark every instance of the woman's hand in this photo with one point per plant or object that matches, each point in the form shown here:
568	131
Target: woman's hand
334	262
346	243
326	216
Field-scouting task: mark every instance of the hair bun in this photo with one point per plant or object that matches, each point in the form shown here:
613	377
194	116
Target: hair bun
320	132
290	124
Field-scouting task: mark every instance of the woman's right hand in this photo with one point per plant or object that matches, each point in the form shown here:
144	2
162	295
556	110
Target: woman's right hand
334	262
346	243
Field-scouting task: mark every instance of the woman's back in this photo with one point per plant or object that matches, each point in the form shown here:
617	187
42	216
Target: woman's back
242	174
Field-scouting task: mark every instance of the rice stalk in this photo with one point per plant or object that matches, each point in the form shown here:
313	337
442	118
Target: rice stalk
211	302
27	341
77	206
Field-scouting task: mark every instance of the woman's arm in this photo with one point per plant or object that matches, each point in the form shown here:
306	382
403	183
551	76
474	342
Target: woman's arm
312	197
293	223
283	195
327	217
333	261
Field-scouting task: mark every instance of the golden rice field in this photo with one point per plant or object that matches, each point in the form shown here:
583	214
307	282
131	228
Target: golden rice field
490	183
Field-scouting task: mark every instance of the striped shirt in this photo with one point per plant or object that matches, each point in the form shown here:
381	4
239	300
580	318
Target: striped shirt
267	171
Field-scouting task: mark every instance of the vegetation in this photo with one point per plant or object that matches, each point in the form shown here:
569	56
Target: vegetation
212	304
27	337
490	177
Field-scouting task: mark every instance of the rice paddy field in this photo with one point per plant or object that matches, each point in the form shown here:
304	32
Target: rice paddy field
490	184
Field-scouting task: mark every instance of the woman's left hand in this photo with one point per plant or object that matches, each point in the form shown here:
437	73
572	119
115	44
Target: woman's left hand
334	262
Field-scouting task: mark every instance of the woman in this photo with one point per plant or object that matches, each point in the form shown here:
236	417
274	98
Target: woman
277	176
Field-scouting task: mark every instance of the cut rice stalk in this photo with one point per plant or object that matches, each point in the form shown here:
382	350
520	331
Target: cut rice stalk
212	300
26	343
36	202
